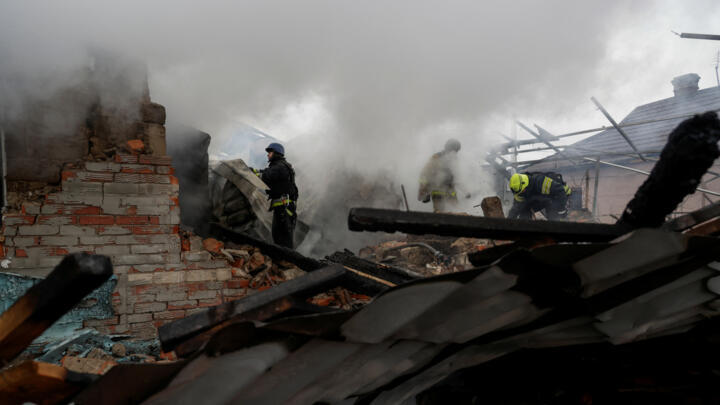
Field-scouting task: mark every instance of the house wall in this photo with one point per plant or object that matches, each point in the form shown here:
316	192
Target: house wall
616	187
126	209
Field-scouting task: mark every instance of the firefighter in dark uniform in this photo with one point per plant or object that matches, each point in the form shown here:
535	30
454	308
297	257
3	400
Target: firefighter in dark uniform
283	194
535	192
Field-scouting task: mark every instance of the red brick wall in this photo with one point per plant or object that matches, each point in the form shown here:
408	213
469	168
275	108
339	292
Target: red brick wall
128	210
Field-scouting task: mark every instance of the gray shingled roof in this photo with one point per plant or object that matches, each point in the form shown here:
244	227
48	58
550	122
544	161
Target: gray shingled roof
651	136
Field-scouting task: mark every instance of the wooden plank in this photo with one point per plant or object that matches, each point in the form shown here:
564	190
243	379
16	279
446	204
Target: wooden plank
711	227
74	278
128	384
173	333
694	218
421	223
387	273
40	383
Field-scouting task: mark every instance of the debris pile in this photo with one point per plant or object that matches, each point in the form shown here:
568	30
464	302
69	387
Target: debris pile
426	255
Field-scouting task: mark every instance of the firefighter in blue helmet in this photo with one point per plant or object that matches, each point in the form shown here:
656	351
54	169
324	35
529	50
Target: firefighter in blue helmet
283	194
535	192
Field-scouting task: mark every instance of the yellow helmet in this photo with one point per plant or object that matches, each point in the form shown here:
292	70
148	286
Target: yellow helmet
518	182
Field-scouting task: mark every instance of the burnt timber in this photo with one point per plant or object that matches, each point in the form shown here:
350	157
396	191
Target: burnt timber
421	223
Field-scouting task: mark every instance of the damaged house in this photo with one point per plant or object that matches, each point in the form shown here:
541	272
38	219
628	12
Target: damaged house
606	168
95	237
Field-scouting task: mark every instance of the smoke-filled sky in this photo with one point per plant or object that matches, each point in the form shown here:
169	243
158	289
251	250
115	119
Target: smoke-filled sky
373	84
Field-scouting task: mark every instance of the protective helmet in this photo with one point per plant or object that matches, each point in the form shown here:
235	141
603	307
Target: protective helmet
518	182
275	147
452	145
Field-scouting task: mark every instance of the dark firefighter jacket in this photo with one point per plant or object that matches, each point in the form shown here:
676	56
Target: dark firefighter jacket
280	177
540	192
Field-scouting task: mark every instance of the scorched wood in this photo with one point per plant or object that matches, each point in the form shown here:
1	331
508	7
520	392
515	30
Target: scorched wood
74	278
421	223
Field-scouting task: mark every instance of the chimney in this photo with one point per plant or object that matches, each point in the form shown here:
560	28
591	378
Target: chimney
685	85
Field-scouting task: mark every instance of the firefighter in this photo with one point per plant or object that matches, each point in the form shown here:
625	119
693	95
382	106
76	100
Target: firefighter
283	194
535	192
437	181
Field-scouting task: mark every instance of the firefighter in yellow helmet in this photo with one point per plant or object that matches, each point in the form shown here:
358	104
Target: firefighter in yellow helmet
437	180
535	192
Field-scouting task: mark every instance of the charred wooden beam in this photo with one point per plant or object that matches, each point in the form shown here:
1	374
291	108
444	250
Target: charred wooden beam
420	223
694	218
356	280
690	151
275	251
311	283
74	278
128	383
41	383
690	35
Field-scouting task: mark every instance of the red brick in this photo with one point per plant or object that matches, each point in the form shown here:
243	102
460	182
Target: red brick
132	220
55	251
132	210
68	174
86	211
126	158
175	200
96	220
20	253
175	305
155	220
237	283
174	180
142	170
170	356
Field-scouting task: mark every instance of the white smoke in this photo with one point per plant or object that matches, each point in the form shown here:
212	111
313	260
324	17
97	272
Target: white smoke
385	82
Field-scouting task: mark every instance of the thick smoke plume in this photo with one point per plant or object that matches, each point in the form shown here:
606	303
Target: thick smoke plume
380	84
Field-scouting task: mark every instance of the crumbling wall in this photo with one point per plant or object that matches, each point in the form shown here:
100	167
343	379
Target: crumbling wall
128	210
106	105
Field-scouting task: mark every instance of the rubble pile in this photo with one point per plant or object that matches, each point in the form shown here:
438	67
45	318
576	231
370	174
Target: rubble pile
426	254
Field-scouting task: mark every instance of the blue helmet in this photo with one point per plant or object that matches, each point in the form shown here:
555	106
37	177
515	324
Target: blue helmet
275	147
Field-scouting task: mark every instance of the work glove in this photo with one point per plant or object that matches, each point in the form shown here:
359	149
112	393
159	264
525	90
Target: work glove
256	171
